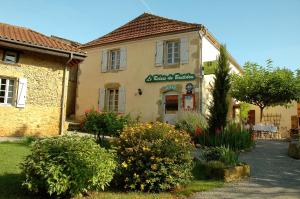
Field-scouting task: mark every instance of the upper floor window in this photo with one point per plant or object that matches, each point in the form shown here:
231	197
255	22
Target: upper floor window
172	52
10	57
114	59
6	90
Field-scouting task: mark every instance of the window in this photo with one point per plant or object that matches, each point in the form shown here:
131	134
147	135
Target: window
172	52
10	57
6	90
112	100
114	60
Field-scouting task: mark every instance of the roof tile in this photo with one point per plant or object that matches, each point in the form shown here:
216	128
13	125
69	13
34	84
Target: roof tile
144	25
30	37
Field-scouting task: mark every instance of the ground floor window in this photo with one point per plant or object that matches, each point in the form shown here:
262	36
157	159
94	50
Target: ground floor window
112	100
6	90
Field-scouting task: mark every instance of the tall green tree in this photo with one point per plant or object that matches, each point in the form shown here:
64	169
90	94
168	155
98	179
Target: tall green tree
220	101
265	86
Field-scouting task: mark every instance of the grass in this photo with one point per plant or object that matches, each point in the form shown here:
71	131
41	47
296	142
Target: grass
12	153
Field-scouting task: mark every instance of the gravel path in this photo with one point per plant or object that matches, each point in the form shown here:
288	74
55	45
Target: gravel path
273	175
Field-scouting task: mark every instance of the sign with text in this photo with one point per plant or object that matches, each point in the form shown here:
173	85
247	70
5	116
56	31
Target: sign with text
170	77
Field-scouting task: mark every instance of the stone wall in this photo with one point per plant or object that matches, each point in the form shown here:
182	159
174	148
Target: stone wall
41	115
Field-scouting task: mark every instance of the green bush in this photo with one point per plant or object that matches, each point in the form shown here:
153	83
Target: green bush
190	121
153	157
104	124
67	166
233	136
222	154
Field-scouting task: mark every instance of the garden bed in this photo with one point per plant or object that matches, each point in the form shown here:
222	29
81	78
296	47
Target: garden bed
294	149
227	174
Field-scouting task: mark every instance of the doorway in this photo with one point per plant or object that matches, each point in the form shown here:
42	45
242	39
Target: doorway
171	107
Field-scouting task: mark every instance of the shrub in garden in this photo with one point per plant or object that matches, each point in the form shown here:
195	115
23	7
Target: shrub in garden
190	121
233	136
153	157
67	166
222	154
104	124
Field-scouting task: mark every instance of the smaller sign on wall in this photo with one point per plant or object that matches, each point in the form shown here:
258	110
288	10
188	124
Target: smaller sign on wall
188	102
170	77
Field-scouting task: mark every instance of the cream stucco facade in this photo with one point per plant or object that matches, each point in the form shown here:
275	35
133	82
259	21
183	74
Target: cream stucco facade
141	62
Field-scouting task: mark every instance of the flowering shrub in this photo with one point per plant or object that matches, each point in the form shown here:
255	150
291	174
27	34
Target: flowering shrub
153	157
191	121
66	166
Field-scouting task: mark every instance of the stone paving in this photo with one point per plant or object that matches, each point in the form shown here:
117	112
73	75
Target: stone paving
273	175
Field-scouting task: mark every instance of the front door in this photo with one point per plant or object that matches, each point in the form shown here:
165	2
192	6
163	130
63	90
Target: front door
171	106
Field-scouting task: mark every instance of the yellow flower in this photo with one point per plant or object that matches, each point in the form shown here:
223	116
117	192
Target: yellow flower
124	165
146	149
154	167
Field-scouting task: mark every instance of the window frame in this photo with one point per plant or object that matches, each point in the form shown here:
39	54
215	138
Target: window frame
7	90
112	102
9	53
173	52
117	60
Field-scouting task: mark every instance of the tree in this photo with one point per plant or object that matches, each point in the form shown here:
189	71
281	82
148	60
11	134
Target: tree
220	101
265	86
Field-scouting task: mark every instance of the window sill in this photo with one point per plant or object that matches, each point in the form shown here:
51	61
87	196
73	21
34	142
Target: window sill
166	66
113	71
6	105
11	64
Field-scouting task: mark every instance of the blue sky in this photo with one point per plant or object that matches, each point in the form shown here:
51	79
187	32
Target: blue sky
253	30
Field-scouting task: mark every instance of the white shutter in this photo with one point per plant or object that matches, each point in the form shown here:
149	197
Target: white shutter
121	100
22	89
159	53
123	58
101	99
184	50
104	60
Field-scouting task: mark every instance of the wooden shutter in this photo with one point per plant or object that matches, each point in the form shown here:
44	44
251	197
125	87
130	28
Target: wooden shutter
104	61
159	53
22	89
184	50
123	59
101	99
121	100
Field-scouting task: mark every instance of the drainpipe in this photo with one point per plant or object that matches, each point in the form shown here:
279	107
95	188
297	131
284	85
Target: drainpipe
63	98
201	108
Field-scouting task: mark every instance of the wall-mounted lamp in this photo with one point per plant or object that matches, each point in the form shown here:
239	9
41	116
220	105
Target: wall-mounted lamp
140	92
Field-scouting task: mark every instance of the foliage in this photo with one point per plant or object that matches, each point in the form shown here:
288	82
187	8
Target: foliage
104	124
153	157
219	106
190	121
265	86
233	136
244	109
67	166
223	154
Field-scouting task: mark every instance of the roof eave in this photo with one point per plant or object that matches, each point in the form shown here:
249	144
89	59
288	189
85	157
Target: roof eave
41	49
140	38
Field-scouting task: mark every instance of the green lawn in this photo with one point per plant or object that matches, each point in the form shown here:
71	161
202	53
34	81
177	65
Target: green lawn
12	153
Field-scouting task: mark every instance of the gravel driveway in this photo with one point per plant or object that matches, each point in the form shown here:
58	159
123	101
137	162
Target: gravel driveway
273	175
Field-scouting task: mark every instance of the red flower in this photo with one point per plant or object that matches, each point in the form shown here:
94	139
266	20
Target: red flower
198	131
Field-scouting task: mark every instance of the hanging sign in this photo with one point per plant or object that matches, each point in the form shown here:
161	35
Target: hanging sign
189	88
170	77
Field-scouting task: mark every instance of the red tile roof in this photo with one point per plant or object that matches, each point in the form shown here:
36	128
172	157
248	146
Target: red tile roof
27	36
144	25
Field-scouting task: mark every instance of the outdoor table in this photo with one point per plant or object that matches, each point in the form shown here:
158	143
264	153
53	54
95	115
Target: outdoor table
265	129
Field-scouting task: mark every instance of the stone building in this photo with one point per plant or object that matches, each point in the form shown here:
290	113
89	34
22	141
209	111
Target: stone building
34	76
150	67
